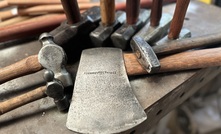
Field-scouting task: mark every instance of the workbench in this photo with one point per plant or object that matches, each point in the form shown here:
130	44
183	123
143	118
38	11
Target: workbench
158	93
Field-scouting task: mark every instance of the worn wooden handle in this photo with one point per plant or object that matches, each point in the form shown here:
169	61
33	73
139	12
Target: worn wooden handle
31	27
132	11
178	18
3	3
8	14
26	66
107	12
156	12
39	2
176	46
21	100
14	20
177	62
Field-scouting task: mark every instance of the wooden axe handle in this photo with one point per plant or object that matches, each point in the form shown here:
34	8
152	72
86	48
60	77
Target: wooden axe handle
178	18
156	12
132	11
182	61
107	12
26	66
23	99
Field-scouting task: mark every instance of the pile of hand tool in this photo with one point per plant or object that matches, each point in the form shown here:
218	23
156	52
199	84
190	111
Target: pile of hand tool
102	76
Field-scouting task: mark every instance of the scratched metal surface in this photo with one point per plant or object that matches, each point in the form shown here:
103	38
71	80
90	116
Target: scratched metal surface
41	117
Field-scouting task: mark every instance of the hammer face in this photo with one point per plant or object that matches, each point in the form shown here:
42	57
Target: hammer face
152	34
145	54
122	36
101	34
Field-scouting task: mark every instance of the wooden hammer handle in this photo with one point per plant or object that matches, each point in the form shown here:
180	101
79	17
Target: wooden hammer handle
178	18
132	11
182	61
107	12
23	99
156	12
3	3
26	66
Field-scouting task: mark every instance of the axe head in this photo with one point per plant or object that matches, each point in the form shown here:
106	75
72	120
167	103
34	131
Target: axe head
103	100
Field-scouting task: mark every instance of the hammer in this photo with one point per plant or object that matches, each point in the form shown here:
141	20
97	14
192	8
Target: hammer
109	23
136	19
176	32
177	62
158	26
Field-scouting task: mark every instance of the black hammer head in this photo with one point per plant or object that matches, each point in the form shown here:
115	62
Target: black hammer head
101	35
122	36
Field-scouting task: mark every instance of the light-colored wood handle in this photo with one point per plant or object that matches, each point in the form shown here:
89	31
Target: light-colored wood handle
182	61
31	27
8	14
55	8
14	20
178	18
39	2
26	66
3	3
23	99
107	12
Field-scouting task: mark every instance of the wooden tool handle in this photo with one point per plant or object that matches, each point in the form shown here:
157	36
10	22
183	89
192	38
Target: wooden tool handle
39	2
176	46
156	12
107	12
3	4
31	27
178	18
177	62
71	10
132	11
8	14
23	99
14	20
26	66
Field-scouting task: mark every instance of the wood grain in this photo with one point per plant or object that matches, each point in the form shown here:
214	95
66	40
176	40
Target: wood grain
72	11
8	14
156	12
132	11
53	8
14	20
21	100
31	27
26	66
182	61
178	18
3	3
107	12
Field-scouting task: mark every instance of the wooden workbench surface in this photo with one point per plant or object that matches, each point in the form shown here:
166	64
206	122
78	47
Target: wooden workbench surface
158	94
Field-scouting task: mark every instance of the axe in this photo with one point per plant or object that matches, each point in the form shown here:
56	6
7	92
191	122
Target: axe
182	61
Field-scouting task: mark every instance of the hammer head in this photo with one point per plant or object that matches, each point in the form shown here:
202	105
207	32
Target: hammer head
101	34
122	36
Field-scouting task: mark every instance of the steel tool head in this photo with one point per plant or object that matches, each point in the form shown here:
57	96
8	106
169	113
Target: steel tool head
100	35
152	34
103	101
145	54
122	36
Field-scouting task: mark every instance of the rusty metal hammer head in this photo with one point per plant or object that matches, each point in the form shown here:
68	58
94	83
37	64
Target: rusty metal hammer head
136	19
103	100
